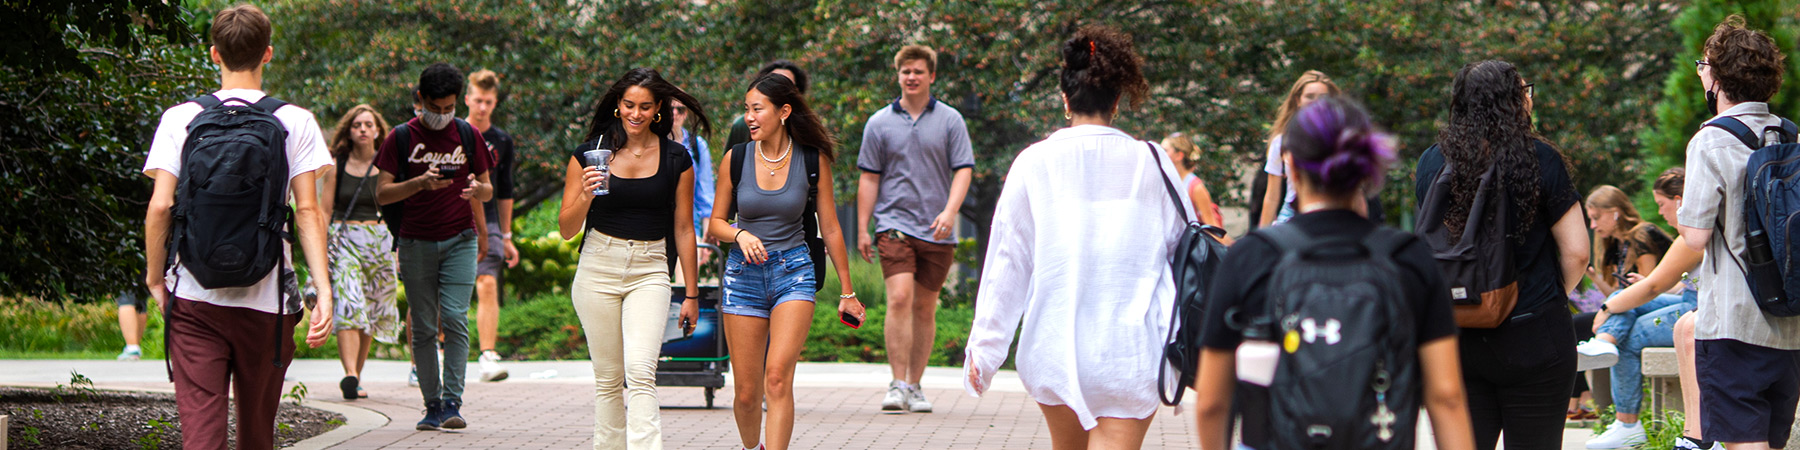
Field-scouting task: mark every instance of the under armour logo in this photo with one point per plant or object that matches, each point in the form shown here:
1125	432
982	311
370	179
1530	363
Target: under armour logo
1311	331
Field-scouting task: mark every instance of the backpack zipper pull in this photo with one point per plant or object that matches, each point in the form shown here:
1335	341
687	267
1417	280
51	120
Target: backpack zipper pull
1383	417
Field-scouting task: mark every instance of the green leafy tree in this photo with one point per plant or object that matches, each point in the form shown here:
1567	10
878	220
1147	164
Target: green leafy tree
82	89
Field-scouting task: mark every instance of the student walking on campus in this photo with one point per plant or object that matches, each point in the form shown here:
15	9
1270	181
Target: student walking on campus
436	167
1333	154
362	249
1276	202
773	186
1642	314
1081	242
916	163
219	338
1518	373
483	97
1746	358
629	191
740	133
704	189
1184	154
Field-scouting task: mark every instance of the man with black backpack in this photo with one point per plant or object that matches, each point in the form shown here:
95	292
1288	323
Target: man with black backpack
1746	357
216	239
434	178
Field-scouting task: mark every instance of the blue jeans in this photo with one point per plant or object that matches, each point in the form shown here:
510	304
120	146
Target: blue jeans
1649	325
439	278
755	289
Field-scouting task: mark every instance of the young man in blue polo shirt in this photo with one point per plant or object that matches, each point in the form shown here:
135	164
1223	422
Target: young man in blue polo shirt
916	162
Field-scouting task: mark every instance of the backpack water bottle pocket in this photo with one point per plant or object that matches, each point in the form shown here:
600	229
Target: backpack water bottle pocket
1764	275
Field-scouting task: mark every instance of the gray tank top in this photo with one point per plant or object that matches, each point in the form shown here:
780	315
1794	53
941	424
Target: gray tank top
773	216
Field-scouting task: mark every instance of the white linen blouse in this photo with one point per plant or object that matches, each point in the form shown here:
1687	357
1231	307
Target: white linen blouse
1079	251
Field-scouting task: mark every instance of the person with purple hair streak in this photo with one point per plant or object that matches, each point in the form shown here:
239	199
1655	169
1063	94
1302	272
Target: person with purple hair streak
1334	154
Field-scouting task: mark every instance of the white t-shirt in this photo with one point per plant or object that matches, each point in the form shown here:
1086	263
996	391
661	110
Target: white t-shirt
306	152
1274	167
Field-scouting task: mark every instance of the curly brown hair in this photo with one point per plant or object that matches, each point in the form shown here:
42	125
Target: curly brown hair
1100	63
1745	63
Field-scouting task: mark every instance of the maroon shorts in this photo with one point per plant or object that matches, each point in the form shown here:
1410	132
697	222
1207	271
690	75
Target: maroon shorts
929	262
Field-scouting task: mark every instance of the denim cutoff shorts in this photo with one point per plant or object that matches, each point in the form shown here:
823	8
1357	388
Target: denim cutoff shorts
755	289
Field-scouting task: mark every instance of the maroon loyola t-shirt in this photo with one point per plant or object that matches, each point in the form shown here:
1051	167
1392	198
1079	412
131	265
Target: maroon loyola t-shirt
438	214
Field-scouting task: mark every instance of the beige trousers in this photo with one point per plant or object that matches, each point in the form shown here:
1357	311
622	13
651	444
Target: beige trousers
621	293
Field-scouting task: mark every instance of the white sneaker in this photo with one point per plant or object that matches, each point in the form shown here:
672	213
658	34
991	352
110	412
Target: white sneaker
412	377
1618	435
915	399
896	397
1595	354
490	367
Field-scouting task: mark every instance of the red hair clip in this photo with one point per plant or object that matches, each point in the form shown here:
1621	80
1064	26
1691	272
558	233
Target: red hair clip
1090	48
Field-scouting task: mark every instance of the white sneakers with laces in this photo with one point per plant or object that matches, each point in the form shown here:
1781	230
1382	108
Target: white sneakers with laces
491	370
896	397
1595	354
915	400
1619	435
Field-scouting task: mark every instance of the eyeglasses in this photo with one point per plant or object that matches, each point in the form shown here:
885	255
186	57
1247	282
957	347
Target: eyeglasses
1530	89
1700	62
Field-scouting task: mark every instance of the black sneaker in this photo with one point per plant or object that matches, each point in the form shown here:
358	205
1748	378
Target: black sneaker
452	415
434	413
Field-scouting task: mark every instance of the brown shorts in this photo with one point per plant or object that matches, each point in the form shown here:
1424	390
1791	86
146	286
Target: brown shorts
929	262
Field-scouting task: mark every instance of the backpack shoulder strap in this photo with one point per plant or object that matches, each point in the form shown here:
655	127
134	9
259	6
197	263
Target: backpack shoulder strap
268	105
1174	196
737	176
1386	242
466	132
1787	130
402	141
207	101
1737	129
812	176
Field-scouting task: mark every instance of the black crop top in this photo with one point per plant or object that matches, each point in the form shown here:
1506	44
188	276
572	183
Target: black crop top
639	209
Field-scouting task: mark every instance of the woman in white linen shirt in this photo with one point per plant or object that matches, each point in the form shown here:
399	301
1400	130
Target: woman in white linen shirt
1080	252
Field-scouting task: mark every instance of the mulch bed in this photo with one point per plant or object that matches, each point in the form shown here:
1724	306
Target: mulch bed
87	419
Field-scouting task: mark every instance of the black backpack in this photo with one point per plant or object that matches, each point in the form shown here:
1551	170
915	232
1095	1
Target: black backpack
1771	202
1478	265
1348	374
231	212
393	214
809	220
1193	263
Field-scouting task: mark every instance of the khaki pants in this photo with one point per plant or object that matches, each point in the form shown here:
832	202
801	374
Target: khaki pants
621	293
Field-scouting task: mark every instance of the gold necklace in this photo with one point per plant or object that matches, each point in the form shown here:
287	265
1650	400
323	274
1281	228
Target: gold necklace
783	159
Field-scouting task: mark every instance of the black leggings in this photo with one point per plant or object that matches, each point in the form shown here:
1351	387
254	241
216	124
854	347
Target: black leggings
1519	377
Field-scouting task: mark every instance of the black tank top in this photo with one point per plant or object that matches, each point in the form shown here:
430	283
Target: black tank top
639	209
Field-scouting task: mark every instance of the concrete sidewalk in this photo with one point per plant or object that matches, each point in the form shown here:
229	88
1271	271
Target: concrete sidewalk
836	407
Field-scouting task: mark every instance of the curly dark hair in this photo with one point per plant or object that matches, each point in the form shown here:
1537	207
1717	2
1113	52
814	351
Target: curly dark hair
1099	64
604	122
1745	63
439	80
1489	125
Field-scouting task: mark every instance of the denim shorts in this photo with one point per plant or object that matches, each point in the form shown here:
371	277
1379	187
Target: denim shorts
755	289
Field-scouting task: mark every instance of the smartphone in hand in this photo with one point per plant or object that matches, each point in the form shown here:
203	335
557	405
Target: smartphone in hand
449	171
849	319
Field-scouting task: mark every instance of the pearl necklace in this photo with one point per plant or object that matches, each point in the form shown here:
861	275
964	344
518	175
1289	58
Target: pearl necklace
771	163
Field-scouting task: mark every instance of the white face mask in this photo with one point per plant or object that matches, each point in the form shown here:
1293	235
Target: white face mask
436	121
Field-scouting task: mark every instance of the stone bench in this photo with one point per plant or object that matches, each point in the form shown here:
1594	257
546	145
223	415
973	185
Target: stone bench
1660	374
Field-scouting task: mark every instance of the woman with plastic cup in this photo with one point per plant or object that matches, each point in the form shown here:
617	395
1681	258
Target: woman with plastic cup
621	289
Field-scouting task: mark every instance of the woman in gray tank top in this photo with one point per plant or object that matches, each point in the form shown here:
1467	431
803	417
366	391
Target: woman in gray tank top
362	260
769	281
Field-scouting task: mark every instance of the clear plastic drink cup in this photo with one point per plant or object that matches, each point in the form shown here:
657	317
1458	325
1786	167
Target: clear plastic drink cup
599	158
